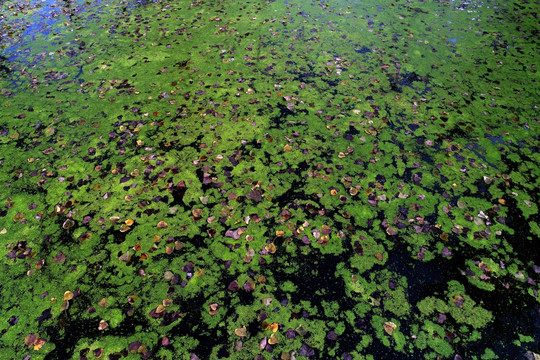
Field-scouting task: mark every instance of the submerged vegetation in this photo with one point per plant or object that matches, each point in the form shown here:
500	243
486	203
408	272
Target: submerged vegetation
269	180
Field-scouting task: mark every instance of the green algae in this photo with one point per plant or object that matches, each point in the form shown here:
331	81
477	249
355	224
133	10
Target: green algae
320	155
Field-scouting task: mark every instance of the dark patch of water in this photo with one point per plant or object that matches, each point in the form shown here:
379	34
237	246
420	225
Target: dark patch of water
278	120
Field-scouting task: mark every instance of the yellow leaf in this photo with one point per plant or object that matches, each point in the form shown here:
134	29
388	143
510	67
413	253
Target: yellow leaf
389	327
68	295
273	339
273	326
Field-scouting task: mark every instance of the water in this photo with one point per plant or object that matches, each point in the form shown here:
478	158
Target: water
277	180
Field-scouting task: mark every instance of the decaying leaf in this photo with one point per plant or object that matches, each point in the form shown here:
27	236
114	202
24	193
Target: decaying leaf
389	327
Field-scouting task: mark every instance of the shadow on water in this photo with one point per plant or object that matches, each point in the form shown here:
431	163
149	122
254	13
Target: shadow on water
4	68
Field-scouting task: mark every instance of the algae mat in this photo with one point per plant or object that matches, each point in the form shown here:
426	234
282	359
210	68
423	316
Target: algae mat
269	180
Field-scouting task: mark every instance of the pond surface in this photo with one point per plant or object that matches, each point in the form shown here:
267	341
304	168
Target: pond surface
269	180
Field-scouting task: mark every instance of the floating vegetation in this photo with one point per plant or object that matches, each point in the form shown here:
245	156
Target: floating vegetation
269	180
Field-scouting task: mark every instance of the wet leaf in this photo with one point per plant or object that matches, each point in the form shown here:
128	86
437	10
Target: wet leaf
273	327
30	339
301	330
68	295
242	332
272	340
214	308
389	327
38	344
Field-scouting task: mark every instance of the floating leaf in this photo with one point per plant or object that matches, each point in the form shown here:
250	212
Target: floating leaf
85	236
273	327
273	339
271	248
458	300
98	353
30	338
68	295
102	302
214	308
125	257
38	344
301	330
266	301
306	350
389	327
242	332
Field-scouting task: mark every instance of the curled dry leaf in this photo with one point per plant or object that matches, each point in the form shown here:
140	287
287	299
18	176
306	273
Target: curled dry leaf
273	326
30	338
68	295
125	257
271	248
102	302
68	224
301	330
162	225
273	339
267	301
214	308
389	327
242	332
38	344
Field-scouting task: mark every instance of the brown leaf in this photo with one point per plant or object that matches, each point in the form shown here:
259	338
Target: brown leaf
389	327
273	326
64	306
214	308
242	332
458	300
30	338
162	225
271	248
273	339
38	344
